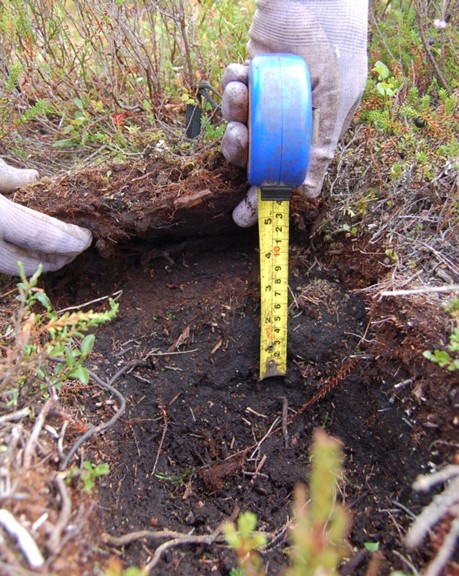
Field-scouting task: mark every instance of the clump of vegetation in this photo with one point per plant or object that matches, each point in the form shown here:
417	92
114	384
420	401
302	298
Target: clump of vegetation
109	75
319	526
88	474
395	176
449	357
42	353
44	348
321	523
246	542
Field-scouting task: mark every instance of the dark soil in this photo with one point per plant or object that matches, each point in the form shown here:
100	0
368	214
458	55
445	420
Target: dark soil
186	454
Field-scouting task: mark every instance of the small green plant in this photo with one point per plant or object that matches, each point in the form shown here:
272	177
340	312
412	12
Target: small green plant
180	480
88	474
245	541
320	524
352	230
371	546
448	358
43	346
391	255
386	85
91	473
212	131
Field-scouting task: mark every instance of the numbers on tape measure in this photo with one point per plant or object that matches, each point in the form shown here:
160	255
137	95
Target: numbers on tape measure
273	231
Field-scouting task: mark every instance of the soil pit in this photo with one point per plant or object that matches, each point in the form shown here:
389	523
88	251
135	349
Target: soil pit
200	438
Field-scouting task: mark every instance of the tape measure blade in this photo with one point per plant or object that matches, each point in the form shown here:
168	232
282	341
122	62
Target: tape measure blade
273	226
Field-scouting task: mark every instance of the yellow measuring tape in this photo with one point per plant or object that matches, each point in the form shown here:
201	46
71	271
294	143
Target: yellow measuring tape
273	229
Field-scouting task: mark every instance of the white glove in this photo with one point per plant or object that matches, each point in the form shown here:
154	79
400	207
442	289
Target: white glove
30	236
12	178
331	35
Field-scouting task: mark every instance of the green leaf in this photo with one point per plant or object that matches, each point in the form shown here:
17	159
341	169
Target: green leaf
87	345
41	373
372	546
88	484
63	143
69	357
58	369
247	522
442	358
79	103
101	469
80	373
231	534
381	70
69	129
43	299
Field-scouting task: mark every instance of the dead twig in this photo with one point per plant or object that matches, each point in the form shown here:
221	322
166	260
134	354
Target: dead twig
257	446
285	420
258	468
163	409
154	353
120	541
163	436
407	562
115	296
426	290
121	409
32	442
54	542
329	383
207	540
13	416
24	540
278	537
175	539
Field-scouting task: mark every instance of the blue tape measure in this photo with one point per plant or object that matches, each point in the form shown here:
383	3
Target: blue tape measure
280	136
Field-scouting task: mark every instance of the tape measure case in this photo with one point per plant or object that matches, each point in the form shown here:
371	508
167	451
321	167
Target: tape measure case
280	120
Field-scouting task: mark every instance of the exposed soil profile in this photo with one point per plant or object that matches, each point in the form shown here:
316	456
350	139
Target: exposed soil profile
201	438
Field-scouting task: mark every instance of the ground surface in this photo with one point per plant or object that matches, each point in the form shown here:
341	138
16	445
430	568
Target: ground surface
201	438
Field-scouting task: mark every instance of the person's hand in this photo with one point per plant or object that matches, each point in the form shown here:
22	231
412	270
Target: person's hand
30	236
331	35
12	178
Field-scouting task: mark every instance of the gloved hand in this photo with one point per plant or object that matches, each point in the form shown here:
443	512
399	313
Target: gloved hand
331	35
33	237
